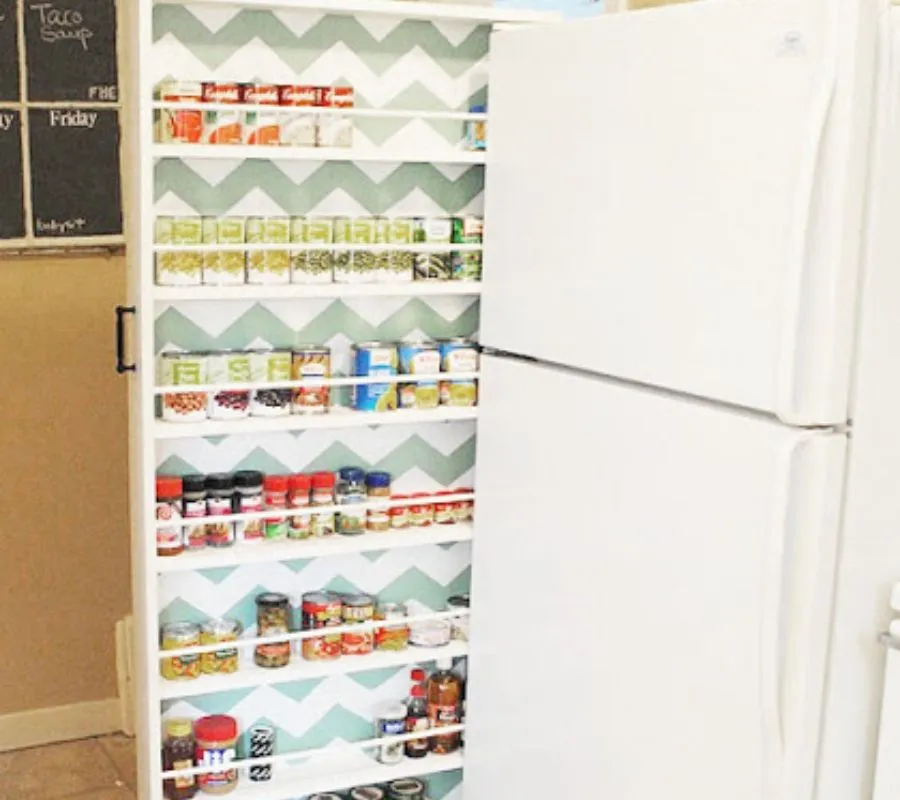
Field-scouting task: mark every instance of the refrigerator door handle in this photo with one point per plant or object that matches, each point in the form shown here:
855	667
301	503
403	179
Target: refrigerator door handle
786	401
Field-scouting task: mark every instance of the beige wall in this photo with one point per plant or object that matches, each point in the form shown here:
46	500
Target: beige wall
64	549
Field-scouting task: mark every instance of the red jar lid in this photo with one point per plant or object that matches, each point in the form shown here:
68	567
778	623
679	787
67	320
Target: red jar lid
415	495
301	482
444	493
275	483
323	480
399	497
466	490
168	486
216	728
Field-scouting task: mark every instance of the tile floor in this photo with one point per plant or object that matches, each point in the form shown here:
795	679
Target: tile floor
91	769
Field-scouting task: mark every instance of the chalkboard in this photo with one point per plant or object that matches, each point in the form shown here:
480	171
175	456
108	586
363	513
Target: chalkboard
75	172
70	50
12	215
9	52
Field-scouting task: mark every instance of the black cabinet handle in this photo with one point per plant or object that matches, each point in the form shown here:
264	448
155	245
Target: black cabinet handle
121	366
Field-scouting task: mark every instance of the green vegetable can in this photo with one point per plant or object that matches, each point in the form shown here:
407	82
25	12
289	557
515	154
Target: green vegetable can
315	265
466	264
356	265
270	267
402	262
181	268
434	264
224	267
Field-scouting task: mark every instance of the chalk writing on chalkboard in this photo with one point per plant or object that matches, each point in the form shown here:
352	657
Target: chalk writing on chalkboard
12	205
71	50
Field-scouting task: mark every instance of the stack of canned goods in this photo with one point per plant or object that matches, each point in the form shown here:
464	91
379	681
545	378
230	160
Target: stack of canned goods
403	789
415	358
254	113
315	250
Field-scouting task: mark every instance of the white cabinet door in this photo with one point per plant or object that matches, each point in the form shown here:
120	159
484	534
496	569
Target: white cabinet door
651	594
675	197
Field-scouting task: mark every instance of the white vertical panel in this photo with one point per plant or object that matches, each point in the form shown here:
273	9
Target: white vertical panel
651	594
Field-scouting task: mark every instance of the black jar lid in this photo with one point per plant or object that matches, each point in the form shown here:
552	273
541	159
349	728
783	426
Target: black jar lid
247	479
219	482
194	484
273	600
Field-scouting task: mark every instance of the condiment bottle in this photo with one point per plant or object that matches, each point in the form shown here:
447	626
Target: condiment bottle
299	526
275	489
219	501
216	737
351	491
443	693
378	487
417	716
323	495
170	539
194	507
178	753
248	498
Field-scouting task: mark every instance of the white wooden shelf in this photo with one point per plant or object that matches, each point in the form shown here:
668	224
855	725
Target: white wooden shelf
249	674
338	417
242	152
365	113
408	9
290	550
318	290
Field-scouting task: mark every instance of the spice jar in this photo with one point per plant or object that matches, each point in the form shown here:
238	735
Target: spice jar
219	500
399	514
178	636
178	753
273	615
406	789
248	498
194	507
378	487
351	491
220	631
421	513
170	539
444	511
275	490
216	738
299	526
464	510
323	495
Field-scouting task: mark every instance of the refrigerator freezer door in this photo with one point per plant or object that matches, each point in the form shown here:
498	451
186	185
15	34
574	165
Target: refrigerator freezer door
674	197
651	594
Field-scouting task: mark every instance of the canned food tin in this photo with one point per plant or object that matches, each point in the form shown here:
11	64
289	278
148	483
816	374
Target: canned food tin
375	358
406	789
182	268
444	511
180	126
269	267
325	796
336	129
321	610
183	369
399	514
273	612
229	367
220	631
222	126
433	633
382	257
395	636
391	721
357	609
401	231
367	793
434	231
311	266
224	268
297	128
459	626
466	264
177	636
311	361
261	739
459	355
419	358
421	513
263	124
270	366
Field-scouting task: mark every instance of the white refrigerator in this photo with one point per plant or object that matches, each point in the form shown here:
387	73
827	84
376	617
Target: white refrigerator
680	204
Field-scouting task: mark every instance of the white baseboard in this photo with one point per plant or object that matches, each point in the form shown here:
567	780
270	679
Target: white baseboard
59	724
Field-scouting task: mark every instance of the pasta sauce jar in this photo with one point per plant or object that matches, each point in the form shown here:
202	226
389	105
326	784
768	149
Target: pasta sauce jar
216	738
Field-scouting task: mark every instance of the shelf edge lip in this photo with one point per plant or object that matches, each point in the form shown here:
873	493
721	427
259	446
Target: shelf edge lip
298	291
209	152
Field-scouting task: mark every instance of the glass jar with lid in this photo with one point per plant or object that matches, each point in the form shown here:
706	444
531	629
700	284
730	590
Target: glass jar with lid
178	753
248	498
219	501
273	617
378	487
351	491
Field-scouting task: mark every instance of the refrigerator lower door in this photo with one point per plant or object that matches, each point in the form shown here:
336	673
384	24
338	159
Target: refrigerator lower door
685	188
651	596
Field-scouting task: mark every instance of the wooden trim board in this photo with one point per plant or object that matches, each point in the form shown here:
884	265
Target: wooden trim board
59	724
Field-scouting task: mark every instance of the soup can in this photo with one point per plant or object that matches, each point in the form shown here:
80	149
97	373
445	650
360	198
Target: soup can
177	636
368	792
406	789
263	124
357	609
321	610
183	369
270	366
298	128
224	368
223	126
311	361
375	358
459	626
180	126
419	358
220	631
459	355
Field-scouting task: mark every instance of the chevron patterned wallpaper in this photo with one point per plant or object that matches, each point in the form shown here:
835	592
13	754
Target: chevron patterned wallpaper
392	64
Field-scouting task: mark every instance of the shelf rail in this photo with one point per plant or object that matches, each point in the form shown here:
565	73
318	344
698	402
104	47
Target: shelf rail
313	382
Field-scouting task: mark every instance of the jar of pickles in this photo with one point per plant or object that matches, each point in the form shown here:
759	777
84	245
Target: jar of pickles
220	631
273	615
378	487
351	491
178	636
